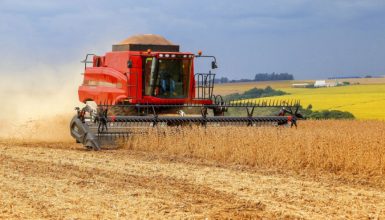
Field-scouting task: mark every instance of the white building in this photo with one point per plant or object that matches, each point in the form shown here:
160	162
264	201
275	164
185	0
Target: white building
320	83
323	83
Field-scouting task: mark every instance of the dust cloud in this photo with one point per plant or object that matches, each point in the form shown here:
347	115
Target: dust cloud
38	104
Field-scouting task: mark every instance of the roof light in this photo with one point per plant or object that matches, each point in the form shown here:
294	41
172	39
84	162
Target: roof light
167	55
173	55
184	56
161	55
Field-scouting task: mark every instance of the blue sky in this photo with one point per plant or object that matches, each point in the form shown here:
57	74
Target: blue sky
308	38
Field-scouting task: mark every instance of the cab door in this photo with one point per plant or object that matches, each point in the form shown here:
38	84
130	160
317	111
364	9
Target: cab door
134	76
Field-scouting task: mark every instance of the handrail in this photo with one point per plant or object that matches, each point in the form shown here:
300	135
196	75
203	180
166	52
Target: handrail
85	61
204	83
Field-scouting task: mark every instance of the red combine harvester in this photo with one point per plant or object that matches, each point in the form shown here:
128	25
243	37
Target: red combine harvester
146	81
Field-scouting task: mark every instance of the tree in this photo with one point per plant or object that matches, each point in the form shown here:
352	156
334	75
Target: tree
273	76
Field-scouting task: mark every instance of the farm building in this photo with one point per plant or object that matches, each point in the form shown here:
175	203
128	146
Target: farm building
320	83
323	83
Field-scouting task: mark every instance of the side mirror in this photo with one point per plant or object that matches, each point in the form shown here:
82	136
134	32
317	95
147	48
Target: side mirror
129	64
214	65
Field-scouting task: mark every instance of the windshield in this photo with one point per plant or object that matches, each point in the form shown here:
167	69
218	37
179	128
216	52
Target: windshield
166	78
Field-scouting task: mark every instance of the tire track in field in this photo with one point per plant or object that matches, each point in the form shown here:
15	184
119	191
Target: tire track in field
190	197
179	189
356	103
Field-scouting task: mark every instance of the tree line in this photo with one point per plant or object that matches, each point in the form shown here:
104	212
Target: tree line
259	77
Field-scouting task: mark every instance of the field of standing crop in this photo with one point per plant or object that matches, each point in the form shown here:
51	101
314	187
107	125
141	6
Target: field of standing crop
364	101
315	146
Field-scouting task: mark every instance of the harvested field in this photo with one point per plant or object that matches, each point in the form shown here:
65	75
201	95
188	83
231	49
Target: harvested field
315	171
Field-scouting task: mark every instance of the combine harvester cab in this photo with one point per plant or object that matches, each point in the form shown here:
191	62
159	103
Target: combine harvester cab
145	81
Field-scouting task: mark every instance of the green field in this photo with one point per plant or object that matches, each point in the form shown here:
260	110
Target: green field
365	101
